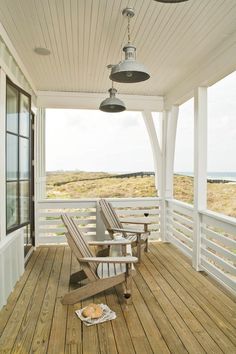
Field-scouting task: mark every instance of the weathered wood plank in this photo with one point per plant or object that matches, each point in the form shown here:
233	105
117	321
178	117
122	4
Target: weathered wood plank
57	335
219	328
26	332
42	331
14	323
152	332
174	310
105	333
137	334
90	335
180	327
73	344
162	277
171	338
121	333
226	298
223	303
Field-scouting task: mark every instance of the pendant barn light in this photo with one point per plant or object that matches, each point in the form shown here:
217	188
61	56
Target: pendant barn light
112	104
170	1
129	70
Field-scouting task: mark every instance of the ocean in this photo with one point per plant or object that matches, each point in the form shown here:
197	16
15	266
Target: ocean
226	176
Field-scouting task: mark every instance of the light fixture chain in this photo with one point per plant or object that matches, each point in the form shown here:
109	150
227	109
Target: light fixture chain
128	29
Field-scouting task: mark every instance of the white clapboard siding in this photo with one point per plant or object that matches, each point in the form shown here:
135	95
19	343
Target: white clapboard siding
11	263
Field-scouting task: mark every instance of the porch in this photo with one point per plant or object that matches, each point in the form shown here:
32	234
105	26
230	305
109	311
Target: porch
175	309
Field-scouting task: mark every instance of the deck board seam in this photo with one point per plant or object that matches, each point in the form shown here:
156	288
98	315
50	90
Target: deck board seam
186	306
164	315
24	311
42	298
198	279
55	301
210	317
167	315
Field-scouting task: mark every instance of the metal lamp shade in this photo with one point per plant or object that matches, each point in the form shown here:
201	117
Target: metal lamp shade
129	70
170	1
112	104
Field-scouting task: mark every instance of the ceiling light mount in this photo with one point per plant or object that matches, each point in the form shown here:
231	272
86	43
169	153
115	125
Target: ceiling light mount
129	70
128	12
170	1
42	51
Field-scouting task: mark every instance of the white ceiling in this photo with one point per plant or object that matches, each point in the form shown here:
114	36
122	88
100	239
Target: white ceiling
85	35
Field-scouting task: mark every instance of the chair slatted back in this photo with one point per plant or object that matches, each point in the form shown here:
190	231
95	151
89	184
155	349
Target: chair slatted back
110	217
79	245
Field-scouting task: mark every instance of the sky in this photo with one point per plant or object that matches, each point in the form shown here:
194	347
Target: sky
88	140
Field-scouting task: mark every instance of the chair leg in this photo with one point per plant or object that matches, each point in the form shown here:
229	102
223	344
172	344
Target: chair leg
146	245
78	276
139	251
128	286
93	288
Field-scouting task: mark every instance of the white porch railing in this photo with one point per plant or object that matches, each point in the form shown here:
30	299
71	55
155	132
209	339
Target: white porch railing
217	240
50	229
217	237
179	225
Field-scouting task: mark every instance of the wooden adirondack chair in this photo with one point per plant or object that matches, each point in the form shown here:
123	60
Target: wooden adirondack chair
102	272
114	225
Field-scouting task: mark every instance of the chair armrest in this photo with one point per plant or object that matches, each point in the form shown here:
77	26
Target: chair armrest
109	242
138	222
128	259
132	231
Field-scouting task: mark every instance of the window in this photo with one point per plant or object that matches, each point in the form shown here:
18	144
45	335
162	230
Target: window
18	157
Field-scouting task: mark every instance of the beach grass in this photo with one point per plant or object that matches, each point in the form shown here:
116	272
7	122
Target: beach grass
75	185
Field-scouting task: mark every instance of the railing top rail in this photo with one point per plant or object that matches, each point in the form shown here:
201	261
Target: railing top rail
220	217
86	200
180	203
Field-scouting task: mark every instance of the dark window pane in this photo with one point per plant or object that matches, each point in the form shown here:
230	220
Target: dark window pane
24	202
12	109
24	115
12	205
24	158
12	157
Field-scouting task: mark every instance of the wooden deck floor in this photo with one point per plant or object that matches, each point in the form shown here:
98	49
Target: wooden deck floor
175	310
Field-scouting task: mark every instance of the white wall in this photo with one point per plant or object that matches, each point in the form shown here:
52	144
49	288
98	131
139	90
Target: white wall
12	245
11	263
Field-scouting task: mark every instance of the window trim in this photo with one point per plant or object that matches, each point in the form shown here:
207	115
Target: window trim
29	138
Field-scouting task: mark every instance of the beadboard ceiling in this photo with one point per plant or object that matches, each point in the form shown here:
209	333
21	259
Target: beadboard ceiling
86	35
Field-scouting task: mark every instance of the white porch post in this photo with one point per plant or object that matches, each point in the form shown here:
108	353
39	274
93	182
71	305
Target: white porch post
157	158
169	126
2	155
156	151
200	167
163	177
40	174
170	149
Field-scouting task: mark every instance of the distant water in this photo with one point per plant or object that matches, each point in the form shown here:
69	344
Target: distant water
227	176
